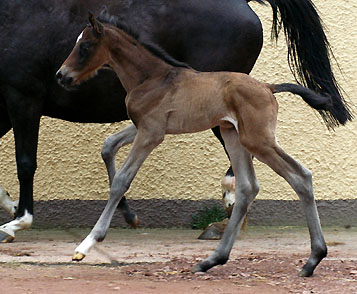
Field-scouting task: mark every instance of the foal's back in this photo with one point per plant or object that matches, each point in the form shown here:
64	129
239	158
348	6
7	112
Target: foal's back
196	101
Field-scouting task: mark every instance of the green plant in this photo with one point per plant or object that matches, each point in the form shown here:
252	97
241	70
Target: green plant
207	216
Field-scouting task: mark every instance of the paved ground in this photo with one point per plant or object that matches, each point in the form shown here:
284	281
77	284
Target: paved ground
263	260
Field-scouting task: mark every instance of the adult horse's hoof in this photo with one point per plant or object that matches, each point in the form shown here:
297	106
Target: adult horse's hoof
77	256
135	222
5	237
214	231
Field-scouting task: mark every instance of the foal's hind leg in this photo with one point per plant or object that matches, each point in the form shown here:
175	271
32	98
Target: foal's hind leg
110	148
257	128
246	189
300	179
144	143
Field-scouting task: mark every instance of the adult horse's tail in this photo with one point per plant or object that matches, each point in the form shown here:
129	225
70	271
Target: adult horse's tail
309	53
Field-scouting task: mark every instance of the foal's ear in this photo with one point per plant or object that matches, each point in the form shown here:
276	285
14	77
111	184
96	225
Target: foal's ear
97	26
104	13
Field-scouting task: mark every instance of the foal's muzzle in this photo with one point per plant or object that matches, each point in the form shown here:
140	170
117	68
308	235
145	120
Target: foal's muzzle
64	78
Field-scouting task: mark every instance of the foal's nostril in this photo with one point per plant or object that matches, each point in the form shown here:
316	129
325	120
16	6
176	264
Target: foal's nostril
59	76
63	80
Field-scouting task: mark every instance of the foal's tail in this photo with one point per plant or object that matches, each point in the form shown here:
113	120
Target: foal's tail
309	53
323	104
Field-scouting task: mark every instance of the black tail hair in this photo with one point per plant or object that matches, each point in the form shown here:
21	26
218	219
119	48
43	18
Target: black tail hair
323	104
309	53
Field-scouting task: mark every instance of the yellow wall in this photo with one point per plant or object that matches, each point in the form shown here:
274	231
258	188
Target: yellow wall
191	166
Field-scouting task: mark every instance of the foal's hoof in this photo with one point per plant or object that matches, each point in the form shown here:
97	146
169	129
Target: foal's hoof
196	269
77	256
304	273
5	237
200	267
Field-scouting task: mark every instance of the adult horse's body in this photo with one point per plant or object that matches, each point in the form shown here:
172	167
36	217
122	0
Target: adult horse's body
209	35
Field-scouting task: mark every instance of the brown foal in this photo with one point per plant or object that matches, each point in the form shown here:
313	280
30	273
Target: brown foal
167	97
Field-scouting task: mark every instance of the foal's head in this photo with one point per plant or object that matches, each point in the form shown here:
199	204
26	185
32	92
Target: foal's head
87	57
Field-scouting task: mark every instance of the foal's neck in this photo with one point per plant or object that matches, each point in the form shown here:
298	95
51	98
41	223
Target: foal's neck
133	63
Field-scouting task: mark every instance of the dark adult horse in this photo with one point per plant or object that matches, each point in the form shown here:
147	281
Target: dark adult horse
210	35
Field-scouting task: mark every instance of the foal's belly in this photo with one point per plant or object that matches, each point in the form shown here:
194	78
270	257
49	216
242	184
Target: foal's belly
190	124
195	112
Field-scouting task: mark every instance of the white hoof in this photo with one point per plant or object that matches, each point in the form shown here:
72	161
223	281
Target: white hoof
77	256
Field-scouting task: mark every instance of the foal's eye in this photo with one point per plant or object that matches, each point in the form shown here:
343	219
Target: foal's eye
83	49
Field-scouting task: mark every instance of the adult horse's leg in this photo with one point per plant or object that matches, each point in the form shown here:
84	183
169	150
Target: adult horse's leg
143	144
25	120
246	189
228	179
111	146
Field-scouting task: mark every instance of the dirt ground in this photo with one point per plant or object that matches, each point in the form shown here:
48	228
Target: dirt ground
263	260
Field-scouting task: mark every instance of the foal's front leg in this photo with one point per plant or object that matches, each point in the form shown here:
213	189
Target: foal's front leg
144	143
110	148
246	189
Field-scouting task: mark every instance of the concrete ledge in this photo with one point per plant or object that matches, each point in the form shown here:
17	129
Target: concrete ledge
159	213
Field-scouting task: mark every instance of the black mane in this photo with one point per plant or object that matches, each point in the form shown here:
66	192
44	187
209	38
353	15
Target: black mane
155	49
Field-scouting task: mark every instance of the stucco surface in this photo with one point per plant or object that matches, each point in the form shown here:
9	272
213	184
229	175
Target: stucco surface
191	166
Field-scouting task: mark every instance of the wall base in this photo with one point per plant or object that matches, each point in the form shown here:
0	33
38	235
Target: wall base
157	213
